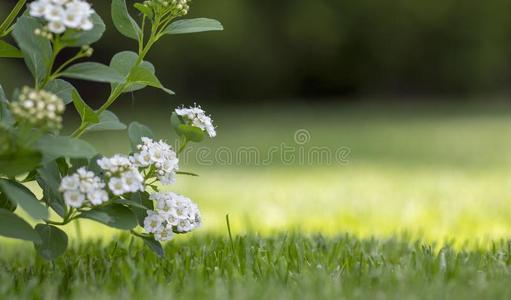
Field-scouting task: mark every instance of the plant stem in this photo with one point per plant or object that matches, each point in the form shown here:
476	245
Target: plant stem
118	90
57	47
67	218
6	24
139	234
56	73
183	145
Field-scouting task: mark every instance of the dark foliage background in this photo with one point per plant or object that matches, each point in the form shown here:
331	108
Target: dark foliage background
324	49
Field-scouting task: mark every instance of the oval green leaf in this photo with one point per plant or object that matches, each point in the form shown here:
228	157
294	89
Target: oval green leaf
93	71
193	26
136	132
114	215
123	21
36	50
9	51
155	246
21	195
62	89
107	121
54	147
15	227
53	241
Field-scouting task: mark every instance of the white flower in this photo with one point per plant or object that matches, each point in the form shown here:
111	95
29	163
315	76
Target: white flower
86	24
142	159
116	186
176	211
168	178
132	181
197	117
70	183
56	27
164	234
72	18
104	163
54	13
59	2
122	174
83	187
63	14
184	225
97	197
156	154
159	155
38	8
153	222
74	198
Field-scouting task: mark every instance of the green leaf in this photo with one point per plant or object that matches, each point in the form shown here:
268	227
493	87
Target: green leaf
78	38
94	167
129	203
37	50
93	71
114	215
62	165
136	132
7	204
187	173
18	162
5	115
192	133
143	76
155	246
145	10
193	26
77	163
48	178
176	120
3	98
62	89
123	21
53	241
15	227
87	114
21	195
8	50
63	146
123	62
141	198
107	121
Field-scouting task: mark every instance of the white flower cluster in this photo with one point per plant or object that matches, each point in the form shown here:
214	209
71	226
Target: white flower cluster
123	176
83	187
160	156
63	14
38	108
197	117
173	213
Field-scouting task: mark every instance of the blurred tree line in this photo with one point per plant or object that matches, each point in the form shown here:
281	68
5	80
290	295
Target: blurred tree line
325	48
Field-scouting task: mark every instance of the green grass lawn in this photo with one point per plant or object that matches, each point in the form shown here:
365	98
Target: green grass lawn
290	266
435	173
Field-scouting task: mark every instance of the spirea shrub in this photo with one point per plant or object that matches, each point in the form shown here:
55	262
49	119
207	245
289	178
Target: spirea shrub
77	182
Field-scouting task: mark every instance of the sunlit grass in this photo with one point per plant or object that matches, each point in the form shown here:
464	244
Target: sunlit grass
438	173
285	266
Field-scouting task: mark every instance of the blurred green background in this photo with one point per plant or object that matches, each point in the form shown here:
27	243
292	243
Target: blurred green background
288	49
418	91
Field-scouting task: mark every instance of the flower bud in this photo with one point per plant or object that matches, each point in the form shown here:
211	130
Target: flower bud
40	109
